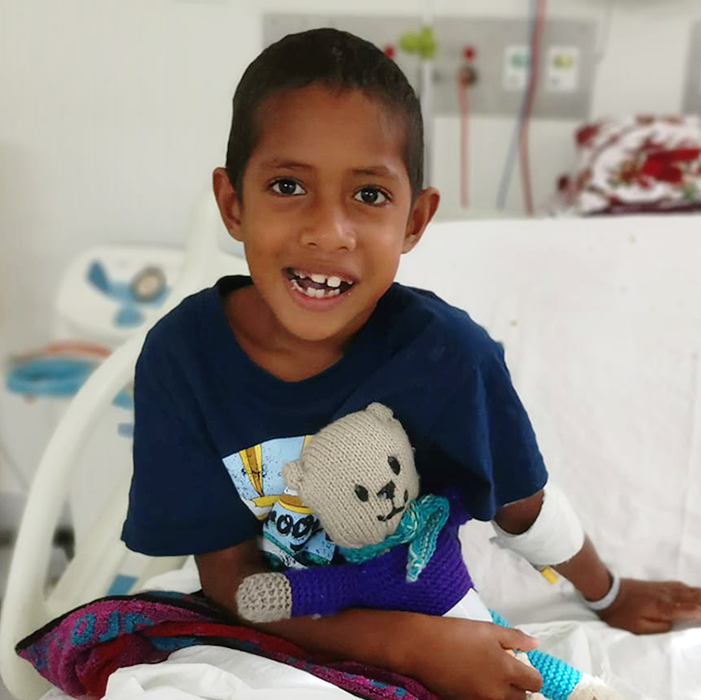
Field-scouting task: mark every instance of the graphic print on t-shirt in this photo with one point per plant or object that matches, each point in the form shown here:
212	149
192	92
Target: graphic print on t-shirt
292	536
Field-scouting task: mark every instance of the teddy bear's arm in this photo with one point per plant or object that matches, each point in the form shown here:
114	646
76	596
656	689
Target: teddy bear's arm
326	590
379	583
296	592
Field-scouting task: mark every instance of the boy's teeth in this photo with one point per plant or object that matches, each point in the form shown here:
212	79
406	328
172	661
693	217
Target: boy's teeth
334	282
315	293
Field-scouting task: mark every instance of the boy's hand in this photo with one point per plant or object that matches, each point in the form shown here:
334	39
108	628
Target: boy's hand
649	607
467	660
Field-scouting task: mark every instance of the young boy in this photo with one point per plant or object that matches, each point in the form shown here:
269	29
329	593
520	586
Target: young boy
323	185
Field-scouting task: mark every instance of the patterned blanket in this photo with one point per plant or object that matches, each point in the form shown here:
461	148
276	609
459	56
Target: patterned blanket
79	650
635	165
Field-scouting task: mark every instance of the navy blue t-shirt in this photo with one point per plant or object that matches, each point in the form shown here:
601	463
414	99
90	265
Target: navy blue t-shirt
212	429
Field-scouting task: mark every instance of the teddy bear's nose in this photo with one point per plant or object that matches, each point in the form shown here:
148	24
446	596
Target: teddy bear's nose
387	491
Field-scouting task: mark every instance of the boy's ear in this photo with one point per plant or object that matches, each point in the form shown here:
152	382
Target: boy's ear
421	214
228	202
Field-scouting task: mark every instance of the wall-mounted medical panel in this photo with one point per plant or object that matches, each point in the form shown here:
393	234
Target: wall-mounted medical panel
500	58
692	93
565	67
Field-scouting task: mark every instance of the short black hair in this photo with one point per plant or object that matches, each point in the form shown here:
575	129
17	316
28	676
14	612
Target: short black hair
333	58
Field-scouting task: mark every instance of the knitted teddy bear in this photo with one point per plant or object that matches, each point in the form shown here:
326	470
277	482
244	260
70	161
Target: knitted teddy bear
402	552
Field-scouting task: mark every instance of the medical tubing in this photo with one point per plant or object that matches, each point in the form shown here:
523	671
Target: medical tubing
512	153
530	96
463	88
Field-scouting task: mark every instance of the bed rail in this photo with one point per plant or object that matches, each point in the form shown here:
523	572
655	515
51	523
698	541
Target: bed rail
28	603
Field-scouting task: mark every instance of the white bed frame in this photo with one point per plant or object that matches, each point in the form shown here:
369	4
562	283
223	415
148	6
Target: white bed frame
27	604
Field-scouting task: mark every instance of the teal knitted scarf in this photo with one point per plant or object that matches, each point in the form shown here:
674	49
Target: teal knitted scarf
422	521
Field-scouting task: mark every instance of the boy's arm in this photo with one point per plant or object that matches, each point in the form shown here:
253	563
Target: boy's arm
453	658
643	607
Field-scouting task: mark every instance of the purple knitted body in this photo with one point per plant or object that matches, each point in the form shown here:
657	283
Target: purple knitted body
381	583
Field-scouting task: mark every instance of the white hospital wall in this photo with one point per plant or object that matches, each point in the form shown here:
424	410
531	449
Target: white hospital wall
113	114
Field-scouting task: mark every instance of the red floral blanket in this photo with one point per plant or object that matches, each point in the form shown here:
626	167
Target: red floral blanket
639	164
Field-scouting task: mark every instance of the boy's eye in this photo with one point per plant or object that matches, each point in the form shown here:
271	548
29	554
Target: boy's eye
287	187
371	195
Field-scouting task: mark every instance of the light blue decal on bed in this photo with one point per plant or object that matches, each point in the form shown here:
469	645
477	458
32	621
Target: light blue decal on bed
121	585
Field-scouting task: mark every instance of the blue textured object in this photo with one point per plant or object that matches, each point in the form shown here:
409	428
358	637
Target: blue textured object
121	585
121	292
126	430
128	317
98	277
49	376
559	678
56	377
124	399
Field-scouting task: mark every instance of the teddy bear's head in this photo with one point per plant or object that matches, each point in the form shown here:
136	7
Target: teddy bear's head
357	475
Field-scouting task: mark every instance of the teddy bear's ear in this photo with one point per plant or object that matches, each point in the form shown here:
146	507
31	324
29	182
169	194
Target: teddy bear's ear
380	411
293	474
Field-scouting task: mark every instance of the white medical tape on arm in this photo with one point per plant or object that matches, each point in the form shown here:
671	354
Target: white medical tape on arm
555	536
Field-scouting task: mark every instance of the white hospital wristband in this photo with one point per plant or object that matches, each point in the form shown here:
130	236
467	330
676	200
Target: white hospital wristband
607	600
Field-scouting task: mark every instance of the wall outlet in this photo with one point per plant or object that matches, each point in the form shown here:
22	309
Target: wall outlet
692	93
502	64
563	69
517	60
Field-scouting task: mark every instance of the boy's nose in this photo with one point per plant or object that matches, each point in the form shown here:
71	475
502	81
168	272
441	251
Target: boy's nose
329	230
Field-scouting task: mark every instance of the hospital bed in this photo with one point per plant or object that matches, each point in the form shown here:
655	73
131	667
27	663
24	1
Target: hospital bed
601	320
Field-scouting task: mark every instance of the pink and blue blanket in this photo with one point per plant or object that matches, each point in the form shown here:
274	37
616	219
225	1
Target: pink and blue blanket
78	651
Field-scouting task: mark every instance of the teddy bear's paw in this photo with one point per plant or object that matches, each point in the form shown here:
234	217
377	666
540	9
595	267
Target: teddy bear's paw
590	688
264	598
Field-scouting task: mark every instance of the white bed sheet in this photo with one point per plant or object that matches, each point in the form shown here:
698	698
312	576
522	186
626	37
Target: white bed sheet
602	326
214	673
601	320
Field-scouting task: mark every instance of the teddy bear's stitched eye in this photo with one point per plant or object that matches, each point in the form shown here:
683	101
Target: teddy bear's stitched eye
361	492
394	464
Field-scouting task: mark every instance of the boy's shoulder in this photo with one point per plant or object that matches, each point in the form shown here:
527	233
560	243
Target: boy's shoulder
415	312
185	313
195	323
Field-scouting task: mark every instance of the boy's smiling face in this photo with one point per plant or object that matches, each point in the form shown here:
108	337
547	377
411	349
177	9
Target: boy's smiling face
327	210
